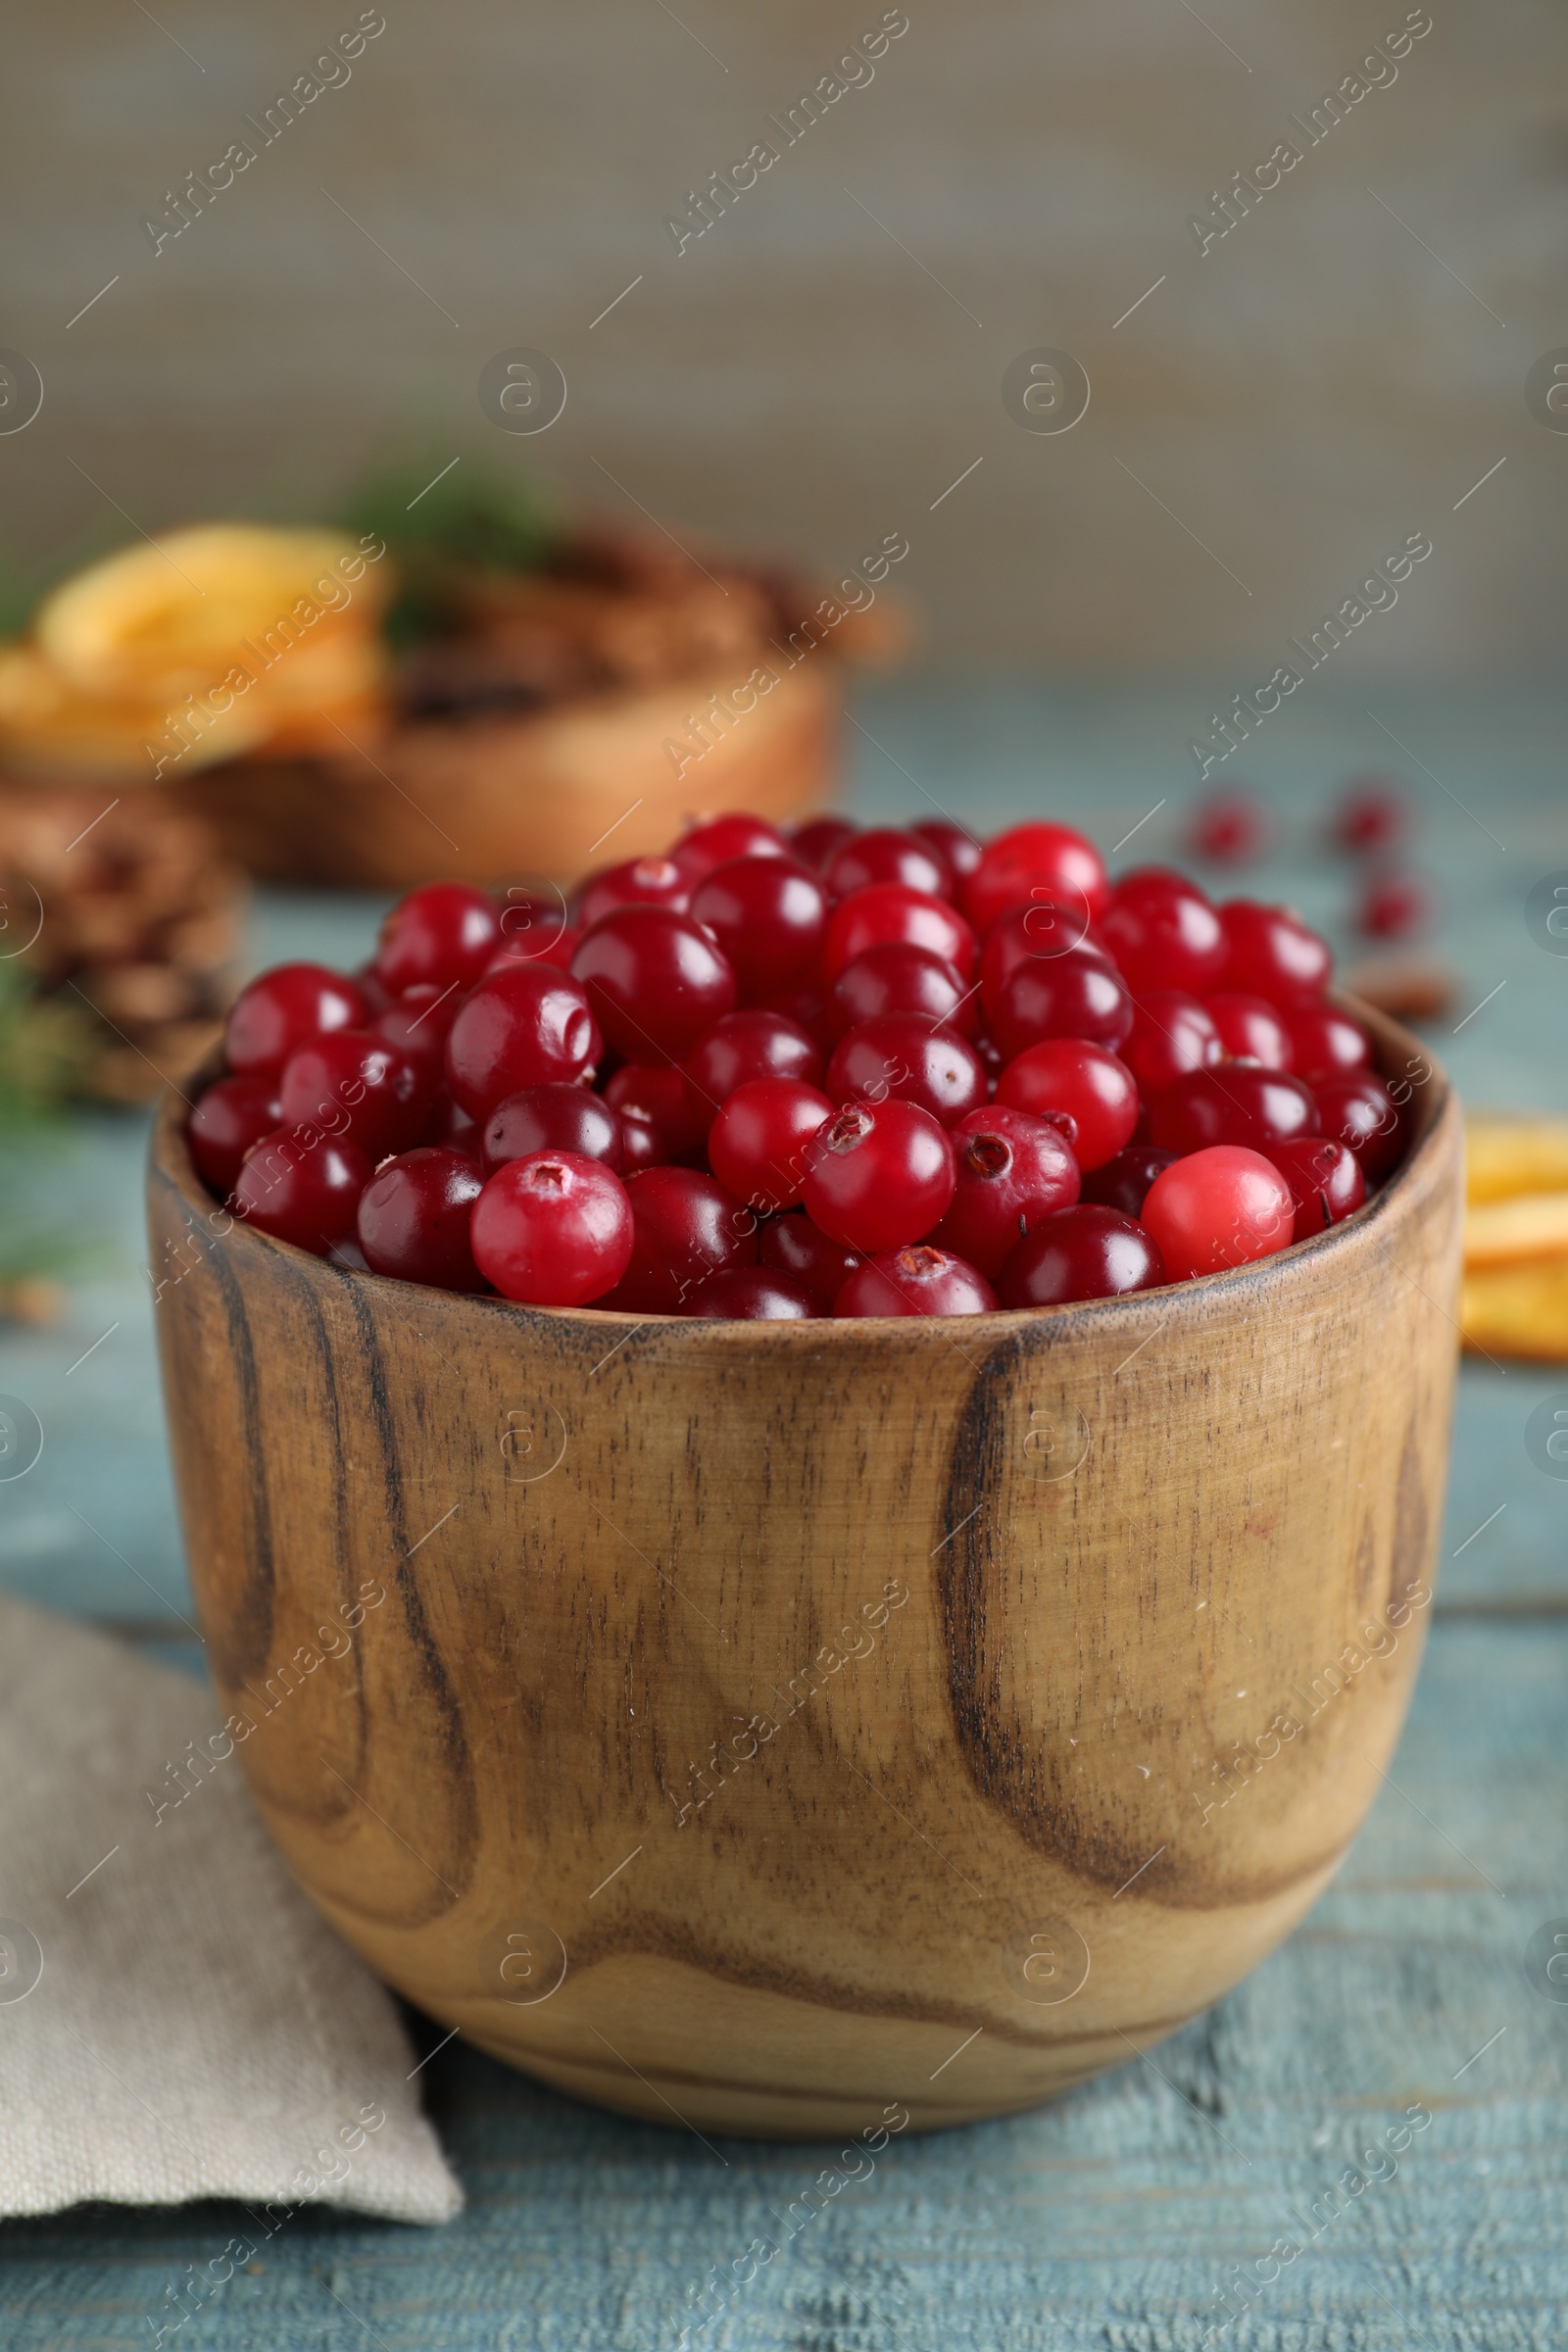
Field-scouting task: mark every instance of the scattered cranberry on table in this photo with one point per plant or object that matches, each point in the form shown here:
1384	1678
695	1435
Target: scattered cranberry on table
775	1075
1396	905
1372	814
1229	828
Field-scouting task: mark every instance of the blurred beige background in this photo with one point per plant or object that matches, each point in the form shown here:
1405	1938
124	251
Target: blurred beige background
816	371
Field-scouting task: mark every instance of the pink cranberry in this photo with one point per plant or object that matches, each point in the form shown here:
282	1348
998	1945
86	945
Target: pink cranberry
1220	1208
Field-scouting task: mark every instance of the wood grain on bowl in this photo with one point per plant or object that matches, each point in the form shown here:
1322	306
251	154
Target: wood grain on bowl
761	1727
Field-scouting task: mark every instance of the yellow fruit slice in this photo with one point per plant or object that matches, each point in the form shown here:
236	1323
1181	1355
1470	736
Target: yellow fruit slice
1506	1157
1518	1311
1502	1233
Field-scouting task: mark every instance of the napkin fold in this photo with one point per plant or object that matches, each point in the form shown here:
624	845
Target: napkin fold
176	2019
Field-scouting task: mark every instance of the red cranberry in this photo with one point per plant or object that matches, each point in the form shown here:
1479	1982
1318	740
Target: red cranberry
524	1026
1012	1170
1237	1104
916	1281
757	1145
687	1227
1325	1180
1372	814
285	1009
889	910
418	1021
961	849
1034	862
1395	906
1171	1034
655	980
1272	953
884	855
1083	1252
1163	934
1224	1207
1358	1110
722	837
1078	993
554	1230
1251	1030
1035	934
770	916
353	1083
659	1096
794	1245
747	1045
553	1118
1326	1043
755	1295
638	882
1097	1093
303	1193
641	1143
901	979
378	997
445	931
807	1007
413	1216
1123	1181
449	1123
878	1177
814	839
230	1116
1231	828
902	1058
531	947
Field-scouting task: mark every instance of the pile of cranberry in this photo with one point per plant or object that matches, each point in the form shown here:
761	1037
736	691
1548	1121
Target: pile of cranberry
828	1071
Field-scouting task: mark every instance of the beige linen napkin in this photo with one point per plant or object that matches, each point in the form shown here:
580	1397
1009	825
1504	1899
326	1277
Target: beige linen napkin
176	2021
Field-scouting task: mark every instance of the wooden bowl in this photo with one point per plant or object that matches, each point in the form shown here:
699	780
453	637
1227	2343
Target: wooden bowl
762	1727
508	797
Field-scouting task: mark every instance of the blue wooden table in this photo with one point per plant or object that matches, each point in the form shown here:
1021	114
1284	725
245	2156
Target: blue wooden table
1125	2216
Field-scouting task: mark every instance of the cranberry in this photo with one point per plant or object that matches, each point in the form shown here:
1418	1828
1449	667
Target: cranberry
889	910
1231	828
655	980
638	882
1078	993
1123	1181
807	1007
1238	1103
526	946
1031	935
897	978
414	1219
523	1026
916	1281
1034	862
353	1083
743	1045
814	839
755	1295
757	1145
287	1007
376	995
794	1245
1251	1030
1012	1170
554	1229
1224	1207
418	1021
659	1096
642	1146
1083	1252
230	1116
961	849
1163	934
303	1193
1272	953
1358	1110
1171	1034
553	1118
1325	1180
770	916
450	1123
445	931
883	855
687	1227
1326	1043
902	1058
722	837
1395	906
1372	814
1097	1093
876	1178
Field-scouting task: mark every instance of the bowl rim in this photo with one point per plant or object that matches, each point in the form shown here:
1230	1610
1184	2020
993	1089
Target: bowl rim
170	1161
